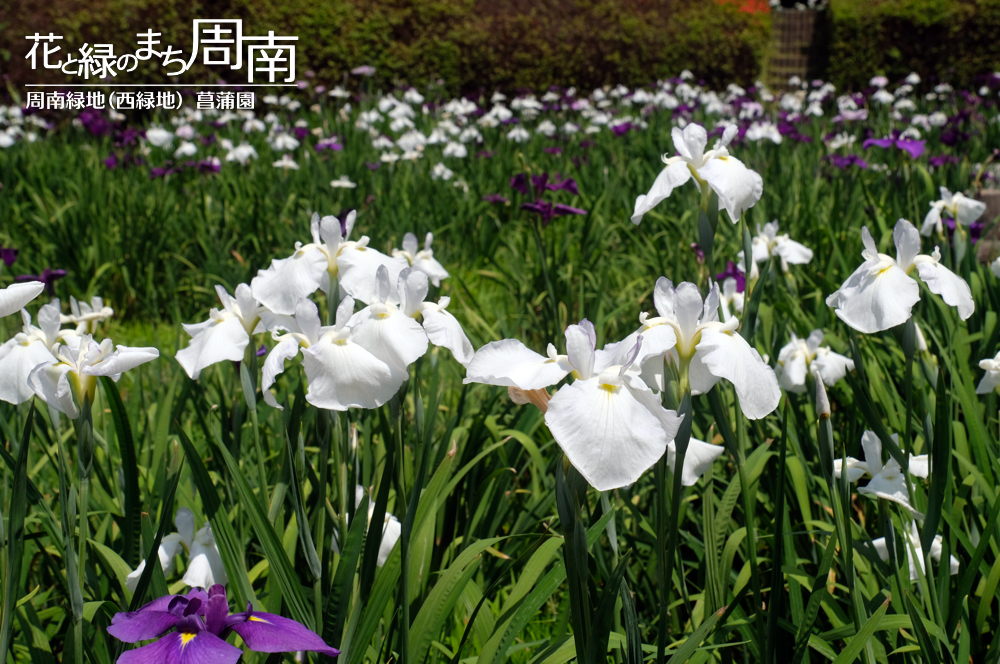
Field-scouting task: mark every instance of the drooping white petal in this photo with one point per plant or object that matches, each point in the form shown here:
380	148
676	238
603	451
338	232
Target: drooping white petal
671	177
698	459
216	342
920	465
952	288
932	221
855	469
274	364
510	363
875	302
792	252
16	362
890	485
16	296
184	522
792	374
989	382
831	366
608	435
444	330
390	535
936	552
51	384
343	375
356	271
738	187
205	567
392	337
969	209
288	280
123	359
728	355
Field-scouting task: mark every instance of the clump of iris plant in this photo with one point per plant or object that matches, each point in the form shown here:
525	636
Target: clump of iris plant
193	628
539	184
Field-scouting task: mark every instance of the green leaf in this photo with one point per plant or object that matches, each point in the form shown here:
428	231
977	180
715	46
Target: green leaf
860	640
604	615
436	609
130	470
230	548
343	579
697	637
280	567
15	539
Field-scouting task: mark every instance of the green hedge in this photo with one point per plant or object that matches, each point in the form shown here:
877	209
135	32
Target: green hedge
469	44
953	40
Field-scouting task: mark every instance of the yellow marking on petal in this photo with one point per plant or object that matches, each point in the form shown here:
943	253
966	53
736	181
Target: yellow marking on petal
186	638
341	342
608	388
381	316
256	619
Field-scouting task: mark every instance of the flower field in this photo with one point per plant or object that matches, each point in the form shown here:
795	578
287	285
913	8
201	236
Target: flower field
632	374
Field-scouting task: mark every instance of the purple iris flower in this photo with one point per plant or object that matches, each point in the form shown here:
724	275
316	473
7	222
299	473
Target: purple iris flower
941	160
547	211
262	351
520	183
47	277
586	144
300	132
567	185
844	162
8	255
202	622
111	162
912	147
328	144
553	150
208	140
128	136
495	198
975	230
733	271
484	154
620	130
95	122
373	165
699	253
210	165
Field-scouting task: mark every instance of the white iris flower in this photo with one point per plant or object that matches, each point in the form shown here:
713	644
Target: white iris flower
608	422
328	258
422	260
881	293
75	370
802	356
226	333
887	480
688	332
962	209
737	186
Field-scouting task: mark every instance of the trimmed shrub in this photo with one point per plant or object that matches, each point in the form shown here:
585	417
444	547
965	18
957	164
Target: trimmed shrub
952	40
470	45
